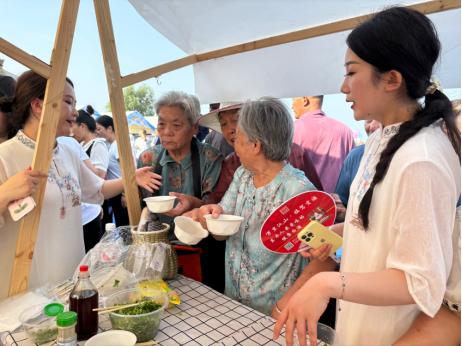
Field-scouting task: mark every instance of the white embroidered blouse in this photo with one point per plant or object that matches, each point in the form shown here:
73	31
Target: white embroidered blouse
412	220
59	247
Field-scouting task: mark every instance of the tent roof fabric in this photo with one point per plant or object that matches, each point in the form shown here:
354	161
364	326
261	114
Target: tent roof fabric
309	67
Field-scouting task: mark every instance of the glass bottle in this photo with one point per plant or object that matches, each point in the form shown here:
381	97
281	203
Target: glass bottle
83	299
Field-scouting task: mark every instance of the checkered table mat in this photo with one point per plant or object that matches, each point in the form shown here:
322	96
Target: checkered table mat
204	317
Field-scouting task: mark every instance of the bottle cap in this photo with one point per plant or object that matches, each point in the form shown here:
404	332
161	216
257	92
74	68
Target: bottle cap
83	268
110	227
66	319
53	309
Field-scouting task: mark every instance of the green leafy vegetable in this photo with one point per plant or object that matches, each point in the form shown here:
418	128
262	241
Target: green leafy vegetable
116	283
144	327
41	336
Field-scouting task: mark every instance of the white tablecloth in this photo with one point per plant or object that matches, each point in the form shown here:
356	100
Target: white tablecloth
204	317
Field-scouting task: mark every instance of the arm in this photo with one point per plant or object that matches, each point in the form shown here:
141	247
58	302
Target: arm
427	331
90	166
313	268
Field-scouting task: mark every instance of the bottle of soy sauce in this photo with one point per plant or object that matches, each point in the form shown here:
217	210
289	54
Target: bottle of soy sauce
83	299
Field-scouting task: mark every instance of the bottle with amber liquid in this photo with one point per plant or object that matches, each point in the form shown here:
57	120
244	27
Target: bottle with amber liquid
83	299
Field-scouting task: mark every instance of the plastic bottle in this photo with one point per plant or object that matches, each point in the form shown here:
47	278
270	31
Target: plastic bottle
83	299
66	322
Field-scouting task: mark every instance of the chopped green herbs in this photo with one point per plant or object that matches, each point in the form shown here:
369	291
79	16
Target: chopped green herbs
144	327
116	283
44	335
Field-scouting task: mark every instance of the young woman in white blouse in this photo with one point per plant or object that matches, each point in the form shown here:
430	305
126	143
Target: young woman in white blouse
59	245
84	130
397	249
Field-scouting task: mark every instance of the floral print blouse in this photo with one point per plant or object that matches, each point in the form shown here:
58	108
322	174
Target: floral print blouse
255	276
177	177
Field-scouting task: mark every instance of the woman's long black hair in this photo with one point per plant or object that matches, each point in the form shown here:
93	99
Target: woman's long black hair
404	40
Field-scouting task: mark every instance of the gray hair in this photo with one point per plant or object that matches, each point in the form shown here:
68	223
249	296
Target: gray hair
188	103
268	120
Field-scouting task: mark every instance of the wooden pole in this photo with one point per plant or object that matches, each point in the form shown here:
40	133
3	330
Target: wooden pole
27	60
45	143
429	7
116	96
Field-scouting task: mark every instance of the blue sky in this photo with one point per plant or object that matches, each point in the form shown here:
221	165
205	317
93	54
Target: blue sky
31	25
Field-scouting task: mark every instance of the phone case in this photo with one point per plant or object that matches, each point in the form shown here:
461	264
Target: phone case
316	235
20	208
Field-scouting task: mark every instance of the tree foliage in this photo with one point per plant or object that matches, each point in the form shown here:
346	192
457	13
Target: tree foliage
141	100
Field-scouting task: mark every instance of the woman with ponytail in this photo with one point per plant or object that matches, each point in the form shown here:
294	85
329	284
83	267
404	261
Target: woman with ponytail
84	130
397	249
59	246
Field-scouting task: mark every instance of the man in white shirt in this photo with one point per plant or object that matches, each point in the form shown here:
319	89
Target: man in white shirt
141	143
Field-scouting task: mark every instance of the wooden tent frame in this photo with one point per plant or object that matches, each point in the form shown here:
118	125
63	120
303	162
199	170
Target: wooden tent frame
56	72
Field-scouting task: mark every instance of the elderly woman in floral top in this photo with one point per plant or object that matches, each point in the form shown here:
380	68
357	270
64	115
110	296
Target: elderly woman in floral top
256	276
178	113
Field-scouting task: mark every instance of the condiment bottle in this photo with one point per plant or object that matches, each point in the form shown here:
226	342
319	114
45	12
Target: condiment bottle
66	329
83	299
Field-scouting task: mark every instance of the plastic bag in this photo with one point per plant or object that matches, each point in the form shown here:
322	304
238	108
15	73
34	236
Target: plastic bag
12	307
156	267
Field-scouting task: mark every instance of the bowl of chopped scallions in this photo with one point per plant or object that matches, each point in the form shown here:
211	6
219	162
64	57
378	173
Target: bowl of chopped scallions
142	320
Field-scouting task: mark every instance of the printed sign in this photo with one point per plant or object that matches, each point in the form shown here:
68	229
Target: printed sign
280	230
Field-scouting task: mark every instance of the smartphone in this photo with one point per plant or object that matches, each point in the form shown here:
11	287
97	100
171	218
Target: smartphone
20	208
316	235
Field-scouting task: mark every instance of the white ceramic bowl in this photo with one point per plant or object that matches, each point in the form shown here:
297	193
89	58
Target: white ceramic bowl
189	231
224	225
160	204
113	338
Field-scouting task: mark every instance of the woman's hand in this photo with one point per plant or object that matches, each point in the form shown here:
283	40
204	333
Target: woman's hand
123	201
199	213
321	254
20	185
147	180
185	204
304	309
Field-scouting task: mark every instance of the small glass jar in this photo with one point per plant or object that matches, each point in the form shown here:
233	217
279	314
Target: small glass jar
66	329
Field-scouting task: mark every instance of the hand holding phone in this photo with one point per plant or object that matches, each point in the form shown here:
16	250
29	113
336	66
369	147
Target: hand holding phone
316	235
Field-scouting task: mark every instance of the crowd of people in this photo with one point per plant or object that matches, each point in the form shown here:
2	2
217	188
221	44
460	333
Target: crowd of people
397	196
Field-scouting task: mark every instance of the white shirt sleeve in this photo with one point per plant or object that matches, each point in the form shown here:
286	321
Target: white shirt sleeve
100	156
424	220
91	186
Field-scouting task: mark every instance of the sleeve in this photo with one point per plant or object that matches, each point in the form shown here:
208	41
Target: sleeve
213	166
344	182
217	195
310	171
424	220
228	203
82	154
100	156
91	185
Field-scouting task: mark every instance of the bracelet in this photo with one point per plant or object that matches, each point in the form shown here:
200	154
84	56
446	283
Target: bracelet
343	290
123	194
277	309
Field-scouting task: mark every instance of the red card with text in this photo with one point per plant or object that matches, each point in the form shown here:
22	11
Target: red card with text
280	230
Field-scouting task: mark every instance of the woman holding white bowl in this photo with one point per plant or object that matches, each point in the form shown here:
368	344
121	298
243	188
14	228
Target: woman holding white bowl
255	276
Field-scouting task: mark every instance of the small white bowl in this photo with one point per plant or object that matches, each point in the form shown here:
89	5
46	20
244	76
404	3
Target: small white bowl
224	225
160	204
189	231
113	338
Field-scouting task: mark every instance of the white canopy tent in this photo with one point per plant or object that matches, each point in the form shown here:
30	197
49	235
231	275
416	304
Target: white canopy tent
307	67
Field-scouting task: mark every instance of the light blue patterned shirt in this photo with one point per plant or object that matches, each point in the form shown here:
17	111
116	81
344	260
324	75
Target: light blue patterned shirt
255	276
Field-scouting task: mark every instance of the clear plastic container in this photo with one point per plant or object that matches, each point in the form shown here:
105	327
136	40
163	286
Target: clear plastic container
39	327
145	326
326	336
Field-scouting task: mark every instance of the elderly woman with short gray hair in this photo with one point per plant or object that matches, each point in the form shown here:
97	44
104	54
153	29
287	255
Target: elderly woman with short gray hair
256	276
186	165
